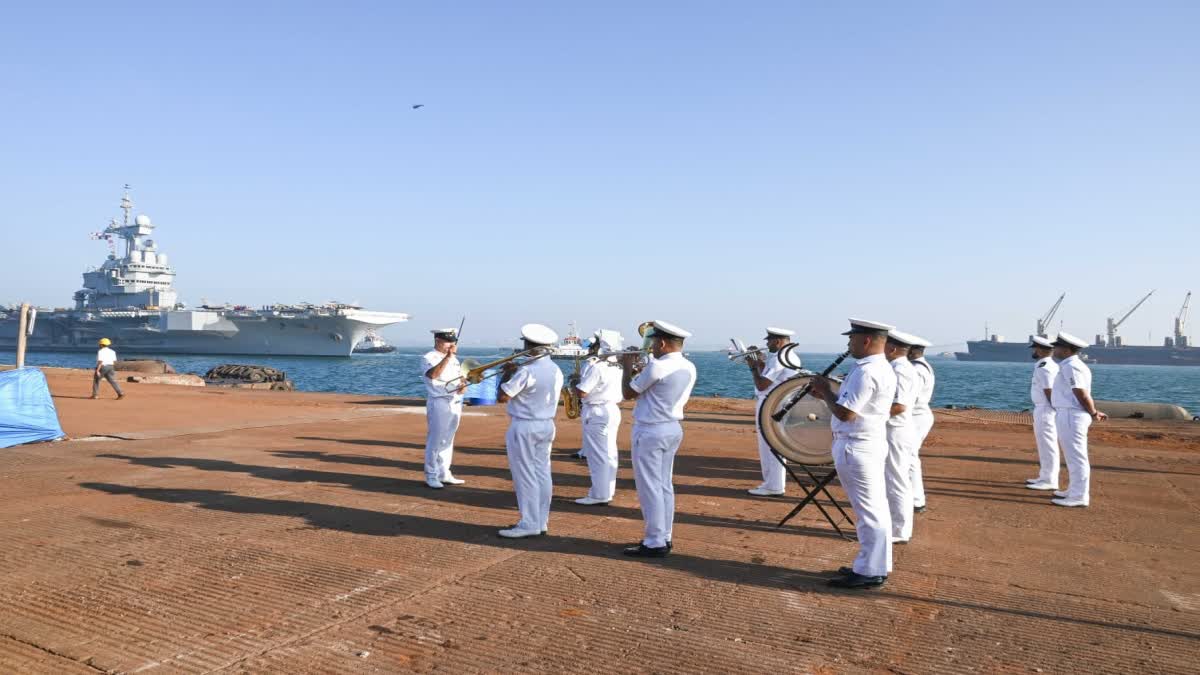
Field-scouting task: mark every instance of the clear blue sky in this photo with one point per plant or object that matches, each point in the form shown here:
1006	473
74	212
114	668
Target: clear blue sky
720	165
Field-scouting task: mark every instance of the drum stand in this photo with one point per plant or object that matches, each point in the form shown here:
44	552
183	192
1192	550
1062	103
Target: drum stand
821	477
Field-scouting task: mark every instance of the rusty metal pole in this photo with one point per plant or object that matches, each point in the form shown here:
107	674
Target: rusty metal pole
21	337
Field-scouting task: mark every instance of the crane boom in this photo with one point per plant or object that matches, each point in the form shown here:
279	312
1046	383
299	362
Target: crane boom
1181	321
1113	340
1045	320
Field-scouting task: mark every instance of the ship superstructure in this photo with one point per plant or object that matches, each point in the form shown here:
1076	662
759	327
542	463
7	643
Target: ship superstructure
132	299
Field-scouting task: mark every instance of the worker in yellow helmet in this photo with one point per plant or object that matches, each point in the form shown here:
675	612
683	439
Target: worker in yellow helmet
106	360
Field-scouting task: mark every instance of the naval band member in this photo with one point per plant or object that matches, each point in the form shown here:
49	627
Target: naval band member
922	416
441	373
901	437
860	413
531	391
769	373
1045	430
599	390
1074	411
661	389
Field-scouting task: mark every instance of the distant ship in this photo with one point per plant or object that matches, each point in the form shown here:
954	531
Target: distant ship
1108	348
372	343
132	300
571	346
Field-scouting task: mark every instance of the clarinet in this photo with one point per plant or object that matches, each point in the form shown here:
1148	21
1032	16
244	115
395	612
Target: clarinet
778	415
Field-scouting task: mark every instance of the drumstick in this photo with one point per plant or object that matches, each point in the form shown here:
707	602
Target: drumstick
783	409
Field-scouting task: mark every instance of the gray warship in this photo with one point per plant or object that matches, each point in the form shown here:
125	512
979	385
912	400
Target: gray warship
132	300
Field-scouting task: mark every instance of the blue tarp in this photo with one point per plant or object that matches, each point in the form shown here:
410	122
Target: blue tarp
27	412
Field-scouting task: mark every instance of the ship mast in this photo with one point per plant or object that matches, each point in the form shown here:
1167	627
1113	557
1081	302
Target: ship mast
1113	340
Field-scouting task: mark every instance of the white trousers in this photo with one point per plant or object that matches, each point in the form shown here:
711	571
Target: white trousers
922	423
773	473
1045	432
1073	436
898	478
529	443
441	416
860	467
654	448
600	426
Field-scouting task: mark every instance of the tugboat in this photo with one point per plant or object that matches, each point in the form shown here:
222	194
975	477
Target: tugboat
373	344
571	346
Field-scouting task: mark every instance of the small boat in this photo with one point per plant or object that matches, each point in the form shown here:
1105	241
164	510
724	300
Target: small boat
373	344
571	346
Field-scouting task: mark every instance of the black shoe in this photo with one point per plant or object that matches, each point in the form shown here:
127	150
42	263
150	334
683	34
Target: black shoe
845	571
579	455
919	509
669	546
855	580
643	551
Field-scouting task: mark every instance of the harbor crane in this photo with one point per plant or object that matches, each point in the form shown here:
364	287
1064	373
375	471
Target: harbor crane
1045	320
1113	339
1181	338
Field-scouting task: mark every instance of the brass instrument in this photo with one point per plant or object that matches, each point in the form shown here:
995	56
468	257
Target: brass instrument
570	395
474	372
741	351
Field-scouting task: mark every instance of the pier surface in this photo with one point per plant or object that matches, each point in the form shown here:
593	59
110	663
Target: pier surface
209	530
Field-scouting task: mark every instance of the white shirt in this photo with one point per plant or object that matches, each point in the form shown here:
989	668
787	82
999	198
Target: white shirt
1043	378
1072	374
534	390
906	391
775	372
925	382
106	356
663	388
437	388
601	381
868	390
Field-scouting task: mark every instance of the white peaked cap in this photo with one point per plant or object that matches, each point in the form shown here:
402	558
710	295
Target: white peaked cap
1039	341
902	337
781	332
444	331
538	334
865	326
670	329
1068	339
920	341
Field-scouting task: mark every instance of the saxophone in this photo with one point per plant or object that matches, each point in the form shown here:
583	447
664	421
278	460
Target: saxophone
570	394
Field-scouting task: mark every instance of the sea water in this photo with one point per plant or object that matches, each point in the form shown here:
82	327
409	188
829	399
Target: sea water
1002	386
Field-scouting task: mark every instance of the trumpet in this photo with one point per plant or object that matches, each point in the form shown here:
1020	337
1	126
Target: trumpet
741	351
474	372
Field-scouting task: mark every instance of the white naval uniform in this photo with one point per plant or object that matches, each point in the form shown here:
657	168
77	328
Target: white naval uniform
663	388
773	473
1073	422
860	453
601	382
901	439
443	410
533	390
922	423
1045	429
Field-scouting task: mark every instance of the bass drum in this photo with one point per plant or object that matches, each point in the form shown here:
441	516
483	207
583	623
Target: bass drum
803	435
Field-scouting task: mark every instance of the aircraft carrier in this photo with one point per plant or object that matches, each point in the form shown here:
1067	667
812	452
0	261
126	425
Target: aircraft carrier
1109	347
132	300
